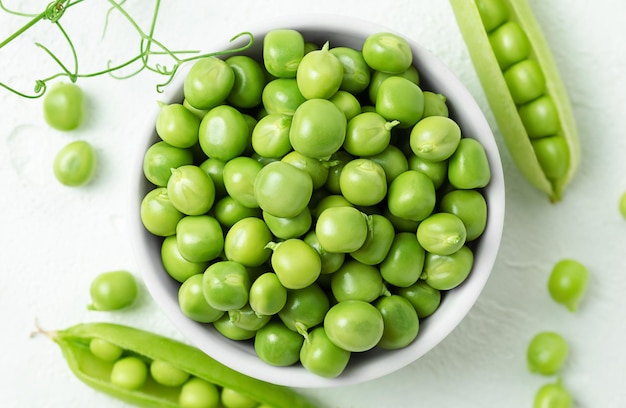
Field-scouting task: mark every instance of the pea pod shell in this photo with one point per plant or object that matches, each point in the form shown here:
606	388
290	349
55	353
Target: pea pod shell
499	97
74	344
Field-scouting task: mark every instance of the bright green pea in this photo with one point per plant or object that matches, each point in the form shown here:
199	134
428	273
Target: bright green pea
567	283
192	302
435	138
282	96
470	206
553	395
328	201
387	52
283	49
286	228
158	214
246	242
492	13
267	295
270	137
525	81
208	83
424	298
336	162
331	261
319	74
246	318
228	211
191	190
282	189
234	399
546	353
411	195
363	182
199	238
296	263
441	233
317	169
198	393
177	126
622	205
436	171
347	103
305	308
341	229
165	373
404	263
129	372
401	323
510	44
105	350
113	291
161	158
468	167
356	73
354	325
223	133
175	264
239	175
393	161
553	155
275	344
357	281
249	81
227	328
318	128
378	77
64	106
75	164
435	105
445	272
225	285
368	134
321	356
400	99
378	242
540	117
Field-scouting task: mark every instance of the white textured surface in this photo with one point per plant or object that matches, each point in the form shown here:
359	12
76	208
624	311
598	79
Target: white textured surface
54	240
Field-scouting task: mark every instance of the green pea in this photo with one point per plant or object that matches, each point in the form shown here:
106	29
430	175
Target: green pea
270	137
436	171
317	169
267	295
175	264
129	373
192	302
336	163
292	185
215	170
249	80
378	77
113	290
296	263
378	242
354	325
401	323
328	201
199	238
286	228
392	160
434	105
357	281
234	399
105	350
226	285
553	395
305	308
445	272
319	74
341	229
387	52
208	83
161	158
275	344
553	155
198	112
470	206
331	261
158	214
223	133
510	44
75	164
411	195
356	72
401	224
177	126
540	117
283	49
525	81
546	353
435	138
282	96
225	326
246	318
246	242
492	13
404	262
228	211
191	190
165	373
321	356
424	298
368	134
400	99
239	175
468	167
441	233
363	182
347	103
318	128
64	106
567	283
198	393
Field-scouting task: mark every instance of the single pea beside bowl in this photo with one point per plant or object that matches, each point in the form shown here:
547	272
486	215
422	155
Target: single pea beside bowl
287	222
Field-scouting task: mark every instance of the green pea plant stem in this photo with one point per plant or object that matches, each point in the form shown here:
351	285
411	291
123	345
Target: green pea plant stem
149	47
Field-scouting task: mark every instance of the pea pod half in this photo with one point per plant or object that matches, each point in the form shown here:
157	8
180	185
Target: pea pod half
96	372
523	87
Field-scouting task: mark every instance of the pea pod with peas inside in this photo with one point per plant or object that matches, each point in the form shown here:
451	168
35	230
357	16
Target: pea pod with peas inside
524	89
131	376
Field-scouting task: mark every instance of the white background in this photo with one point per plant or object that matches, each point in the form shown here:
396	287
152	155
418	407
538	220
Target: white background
54	239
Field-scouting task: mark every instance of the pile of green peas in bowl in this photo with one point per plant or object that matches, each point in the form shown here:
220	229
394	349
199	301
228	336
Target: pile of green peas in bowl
321	209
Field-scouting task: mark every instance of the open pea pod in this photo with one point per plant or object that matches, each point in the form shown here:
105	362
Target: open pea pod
523	87
95	372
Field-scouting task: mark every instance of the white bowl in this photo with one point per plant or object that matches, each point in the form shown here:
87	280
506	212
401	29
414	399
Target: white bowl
434	76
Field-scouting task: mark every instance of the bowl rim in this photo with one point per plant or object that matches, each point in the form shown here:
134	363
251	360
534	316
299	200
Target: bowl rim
240	356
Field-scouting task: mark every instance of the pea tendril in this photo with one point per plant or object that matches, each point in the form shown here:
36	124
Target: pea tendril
149	47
